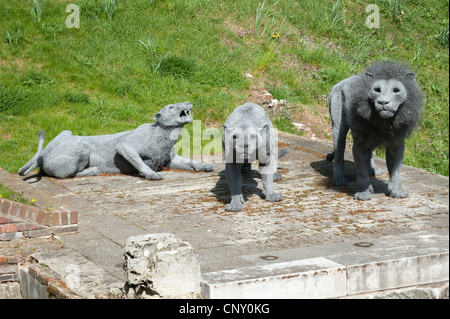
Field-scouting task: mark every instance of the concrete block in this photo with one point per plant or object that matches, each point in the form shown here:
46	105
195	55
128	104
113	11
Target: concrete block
161	265
10	290
306	278
395	273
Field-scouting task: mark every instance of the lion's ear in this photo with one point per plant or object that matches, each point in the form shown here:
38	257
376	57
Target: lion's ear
410	76
368	75
156	117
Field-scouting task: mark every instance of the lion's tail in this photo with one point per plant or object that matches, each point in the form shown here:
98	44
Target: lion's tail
33	162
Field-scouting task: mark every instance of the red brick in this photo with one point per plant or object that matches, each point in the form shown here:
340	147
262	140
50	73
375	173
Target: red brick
56	220
24	211
3	260
14	259
10	228
36	226
22	214
15	209
5	207
73	217
8	269
64	218
40	216
1	229
5	220
48	219
23	226
32	212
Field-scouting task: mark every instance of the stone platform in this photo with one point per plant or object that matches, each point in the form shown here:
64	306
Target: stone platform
317	242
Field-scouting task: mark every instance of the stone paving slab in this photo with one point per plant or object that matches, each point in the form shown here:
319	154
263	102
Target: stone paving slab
313	212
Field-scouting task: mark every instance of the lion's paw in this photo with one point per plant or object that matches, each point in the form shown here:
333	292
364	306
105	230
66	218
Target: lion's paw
363	195
398	193
203	167
208	167
154	175
234	207
274	197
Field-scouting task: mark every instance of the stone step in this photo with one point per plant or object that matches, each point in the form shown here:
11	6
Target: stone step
336	270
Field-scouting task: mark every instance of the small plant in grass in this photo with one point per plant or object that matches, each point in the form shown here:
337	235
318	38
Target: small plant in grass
110	8
442	36
265	19
155	57
394	9
13	36
37	7
336	14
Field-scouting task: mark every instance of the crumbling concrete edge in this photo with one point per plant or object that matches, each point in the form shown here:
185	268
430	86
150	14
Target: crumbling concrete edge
438	290
326	279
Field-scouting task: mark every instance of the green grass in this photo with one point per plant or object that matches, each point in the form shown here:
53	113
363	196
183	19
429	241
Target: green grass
9	194
100	79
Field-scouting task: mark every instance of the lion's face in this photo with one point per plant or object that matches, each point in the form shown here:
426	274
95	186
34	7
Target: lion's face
387	96
247	145
174	115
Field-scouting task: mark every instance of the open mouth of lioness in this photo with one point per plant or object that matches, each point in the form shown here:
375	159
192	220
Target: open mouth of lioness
185	115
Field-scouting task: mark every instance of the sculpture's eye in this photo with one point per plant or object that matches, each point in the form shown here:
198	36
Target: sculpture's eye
377	89
396	90
234	137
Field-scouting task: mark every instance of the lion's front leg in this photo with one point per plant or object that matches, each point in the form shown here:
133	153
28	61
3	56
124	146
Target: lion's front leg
178	162
233	177
362	156
267	177
132	157
394	161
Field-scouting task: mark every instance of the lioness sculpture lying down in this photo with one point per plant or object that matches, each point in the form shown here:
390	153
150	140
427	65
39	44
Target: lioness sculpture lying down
248	136
144	150
380	106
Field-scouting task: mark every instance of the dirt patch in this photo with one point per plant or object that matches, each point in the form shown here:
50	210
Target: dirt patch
20	64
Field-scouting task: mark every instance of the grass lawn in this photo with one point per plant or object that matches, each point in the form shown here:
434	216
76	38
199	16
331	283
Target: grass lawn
128	59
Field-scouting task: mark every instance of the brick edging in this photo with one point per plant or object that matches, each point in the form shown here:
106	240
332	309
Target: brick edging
38	222
56	287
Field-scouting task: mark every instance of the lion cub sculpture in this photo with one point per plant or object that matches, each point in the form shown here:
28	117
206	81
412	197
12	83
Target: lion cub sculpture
380	106
144	150
248	135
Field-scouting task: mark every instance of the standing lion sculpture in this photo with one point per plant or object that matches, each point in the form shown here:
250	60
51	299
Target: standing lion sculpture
380	106
144	150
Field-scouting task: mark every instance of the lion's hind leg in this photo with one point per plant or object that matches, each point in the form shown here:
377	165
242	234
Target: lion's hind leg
67	160
340	129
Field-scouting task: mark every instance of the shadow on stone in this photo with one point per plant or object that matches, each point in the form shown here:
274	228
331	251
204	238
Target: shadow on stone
325	168
249	186
36	178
